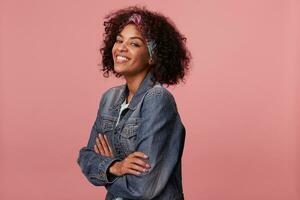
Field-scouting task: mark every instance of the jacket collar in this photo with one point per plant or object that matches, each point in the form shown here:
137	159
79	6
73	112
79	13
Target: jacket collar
145	85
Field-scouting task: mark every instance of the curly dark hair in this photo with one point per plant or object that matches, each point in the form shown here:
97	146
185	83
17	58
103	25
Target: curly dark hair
171	57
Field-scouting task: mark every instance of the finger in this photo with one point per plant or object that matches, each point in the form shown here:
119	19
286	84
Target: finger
109	148
100	146
132	171
96	148
137	168
140	162
140	155
105	137
104	145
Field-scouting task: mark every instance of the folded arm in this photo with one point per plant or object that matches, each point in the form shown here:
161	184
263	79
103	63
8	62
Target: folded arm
161	137
93	165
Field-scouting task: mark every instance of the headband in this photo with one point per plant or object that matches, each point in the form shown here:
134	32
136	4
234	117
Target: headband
137	20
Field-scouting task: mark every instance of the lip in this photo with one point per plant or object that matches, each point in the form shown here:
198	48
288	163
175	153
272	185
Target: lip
121	61
119	54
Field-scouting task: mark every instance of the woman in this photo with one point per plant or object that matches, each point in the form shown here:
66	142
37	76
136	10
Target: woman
136	143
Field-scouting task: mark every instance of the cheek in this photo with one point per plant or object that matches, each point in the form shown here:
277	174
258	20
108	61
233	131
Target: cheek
113	49
142	56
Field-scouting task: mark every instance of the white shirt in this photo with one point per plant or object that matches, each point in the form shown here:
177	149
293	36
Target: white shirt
123	107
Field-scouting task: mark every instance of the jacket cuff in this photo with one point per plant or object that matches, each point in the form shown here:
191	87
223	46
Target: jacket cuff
104	165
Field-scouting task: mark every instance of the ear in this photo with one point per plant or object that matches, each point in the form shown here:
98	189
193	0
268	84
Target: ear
150	61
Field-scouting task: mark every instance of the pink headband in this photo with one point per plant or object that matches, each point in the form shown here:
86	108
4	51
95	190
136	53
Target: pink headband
137	20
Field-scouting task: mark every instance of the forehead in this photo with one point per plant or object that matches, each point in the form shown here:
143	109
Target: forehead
131	30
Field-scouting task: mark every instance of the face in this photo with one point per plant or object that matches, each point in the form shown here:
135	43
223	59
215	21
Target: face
130	52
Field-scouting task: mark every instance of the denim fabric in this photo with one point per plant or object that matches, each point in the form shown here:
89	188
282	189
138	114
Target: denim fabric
151	124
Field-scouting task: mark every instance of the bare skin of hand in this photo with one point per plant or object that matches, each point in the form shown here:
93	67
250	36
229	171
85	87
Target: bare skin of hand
134	163
102	146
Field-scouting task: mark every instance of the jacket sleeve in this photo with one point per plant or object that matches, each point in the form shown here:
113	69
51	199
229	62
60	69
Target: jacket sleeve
93	165
161	137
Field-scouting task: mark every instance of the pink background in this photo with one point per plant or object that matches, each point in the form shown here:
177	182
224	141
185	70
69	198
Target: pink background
239	104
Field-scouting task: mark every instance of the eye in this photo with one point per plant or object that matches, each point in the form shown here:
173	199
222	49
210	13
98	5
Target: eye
118	41
135	44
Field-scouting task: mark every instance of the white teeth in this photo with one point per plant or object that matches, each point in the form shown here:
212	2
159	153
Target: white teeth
122	58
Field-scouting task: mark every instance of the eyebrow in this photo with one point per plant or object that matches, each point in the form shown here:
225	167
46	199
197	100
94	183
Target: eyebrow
135	37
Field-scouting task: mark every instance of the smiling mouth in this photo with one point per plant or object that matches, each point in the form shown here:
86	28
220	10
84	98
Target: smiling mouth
121	59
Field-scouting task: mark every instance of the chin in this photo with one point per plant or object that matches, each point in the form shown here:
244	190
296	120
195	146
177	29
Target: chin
118	69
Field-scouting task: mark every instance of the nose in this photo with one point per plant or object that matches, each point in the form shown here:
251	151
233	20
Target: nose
122	47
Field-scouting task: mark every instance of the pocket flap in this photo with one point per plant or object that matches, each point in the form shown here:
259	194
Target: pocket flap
129	130
106	124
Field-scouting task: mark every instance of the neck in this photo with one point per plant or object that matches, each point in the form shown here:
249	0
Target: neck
133	83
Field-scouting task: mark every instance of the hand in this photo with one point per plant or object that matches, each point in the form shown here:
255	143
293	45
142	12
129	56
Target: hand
132	164
102	146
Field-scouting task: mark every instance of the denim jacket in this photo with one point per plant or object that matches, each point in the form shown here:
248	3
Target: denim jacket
151	124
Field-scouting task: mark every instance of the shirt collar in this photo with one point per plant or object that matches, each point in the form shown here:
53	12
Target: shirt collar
145	85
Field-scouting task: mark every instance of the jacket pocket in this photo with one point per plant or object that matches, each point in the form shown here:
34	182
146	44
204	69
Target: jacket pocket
128	135
129	131
106	124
